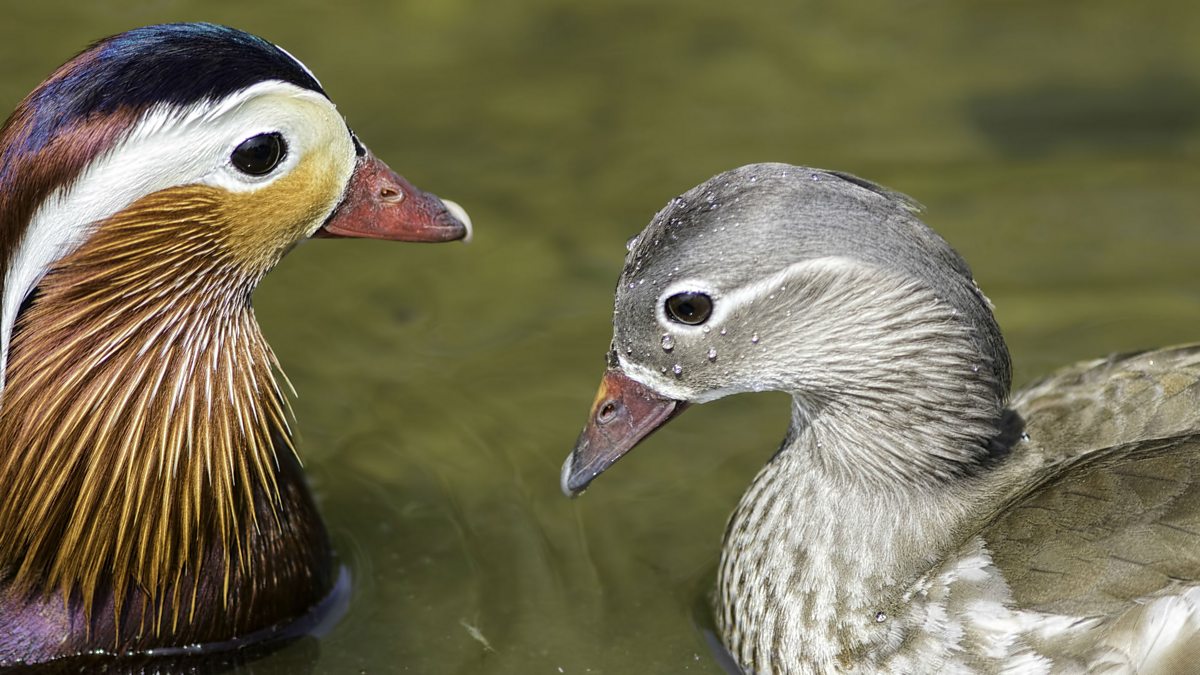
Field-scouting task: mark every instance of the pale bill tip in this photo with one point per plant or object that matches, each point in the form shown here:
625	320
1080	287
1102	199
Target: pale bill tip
460	213
565	478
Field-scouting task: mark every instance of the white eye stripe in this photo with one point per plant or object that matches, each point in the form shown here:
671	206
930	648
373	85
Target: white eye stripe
726	302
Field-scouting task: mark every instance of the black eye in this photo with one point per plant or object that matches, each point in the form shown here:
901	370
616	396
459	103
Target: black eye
689	308
259	154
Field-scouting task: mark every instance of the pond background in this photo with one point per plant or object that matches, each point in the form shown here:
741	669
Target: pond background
1055	144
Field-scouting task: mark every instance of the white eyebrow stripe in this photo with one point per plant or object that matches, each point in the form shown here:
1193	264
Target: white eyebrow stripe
724	303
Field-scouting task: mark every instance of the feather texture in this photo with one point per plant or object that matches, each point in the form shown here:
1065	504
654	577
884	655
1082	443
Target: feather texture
140	428
915	519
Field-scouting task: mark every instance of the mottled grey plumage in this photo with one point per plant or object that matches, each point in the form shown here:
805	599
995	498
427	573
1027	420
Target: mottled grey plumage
914	520
744	225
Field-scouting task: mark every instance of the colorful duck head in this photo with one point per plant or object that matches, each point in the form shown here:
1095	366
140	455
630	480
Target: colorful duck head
151	495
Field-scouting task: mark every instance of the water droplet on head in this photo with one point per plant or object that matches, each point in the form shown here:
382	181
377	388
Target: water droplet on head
815	176
880	617
668	342
723	331
707	329
754	339
678	369
712	354
631	243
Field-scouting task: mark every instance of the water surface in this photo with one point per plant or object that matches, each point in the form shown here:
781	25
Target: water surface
1056	145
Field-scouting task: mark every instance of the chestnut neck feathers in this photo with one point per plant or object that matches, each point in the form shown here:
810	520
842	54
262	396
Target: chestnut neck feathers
142	432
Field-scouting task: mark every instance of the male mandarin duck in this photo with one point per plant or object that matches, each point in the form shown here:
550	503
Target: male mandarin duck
151	497
916	518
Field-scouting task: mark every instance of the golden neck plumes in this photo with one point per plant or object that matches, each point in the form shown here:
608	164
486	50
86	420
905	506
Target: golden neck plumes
140	419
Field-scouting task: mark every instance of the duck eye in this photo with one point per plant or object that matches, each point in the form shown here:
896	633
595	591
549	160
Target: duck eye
690	308
258	155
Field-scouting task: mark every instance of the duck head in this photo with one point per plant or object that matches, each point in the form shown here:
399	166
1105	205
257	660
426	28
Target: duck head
819	284
184	114
151	495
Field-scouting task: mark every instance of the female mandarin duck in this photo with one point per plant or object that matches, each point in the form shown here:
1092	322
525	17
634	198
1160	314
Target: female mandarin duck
915	519
151	496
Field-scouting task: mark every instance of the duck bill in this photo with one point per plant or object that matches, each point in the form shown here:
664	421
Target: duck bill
381	204
624	412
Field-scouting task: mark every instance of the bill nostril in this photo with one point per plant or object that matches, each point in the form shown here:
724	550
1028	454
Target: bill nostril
391	194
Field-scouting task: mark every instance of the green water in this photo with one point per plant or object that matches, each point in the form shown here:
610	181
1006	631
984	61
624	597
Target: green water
1055	144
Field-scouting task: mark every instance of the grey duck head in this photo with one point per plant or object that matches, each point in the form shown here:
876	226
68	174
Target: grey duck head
820	284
